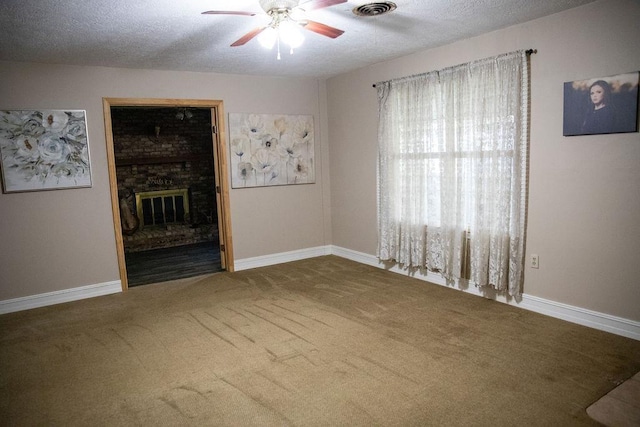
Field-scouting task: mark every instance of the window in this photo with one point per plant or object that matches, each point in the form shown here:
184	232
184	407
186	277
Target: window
452	164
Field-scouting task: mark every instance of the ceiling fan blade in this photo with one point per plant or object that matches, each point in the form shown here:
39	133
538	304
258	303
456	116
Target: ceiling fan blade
320	4
322	29
251	34
228	12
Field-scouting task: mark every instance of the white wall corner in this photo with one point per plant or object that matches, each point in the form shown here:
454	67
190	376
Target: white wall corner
58	297
593	319
279	258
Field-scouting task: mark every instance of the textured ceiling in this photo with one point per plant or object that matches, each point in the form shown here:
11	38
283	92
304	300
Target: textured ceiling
174	35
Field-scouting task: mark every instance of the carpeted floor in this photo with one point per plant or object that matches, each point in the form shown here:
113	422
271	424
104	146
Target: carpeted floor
323	341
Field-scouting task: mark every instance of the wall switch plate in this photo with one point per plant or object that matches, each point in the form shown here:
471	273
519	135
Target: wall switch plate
535	261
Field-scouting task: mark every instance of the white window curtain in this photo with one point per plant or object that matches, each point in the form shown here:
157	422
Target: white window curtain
452	171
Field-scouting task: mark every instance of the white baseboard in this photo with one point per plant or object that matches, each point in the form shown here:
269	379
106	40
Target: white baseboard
593	319
67	295
57	297
582	316
279	258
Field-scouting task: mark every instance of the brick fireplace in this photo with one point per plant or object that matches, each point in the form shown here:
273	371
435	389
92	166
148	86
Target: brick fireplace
164	169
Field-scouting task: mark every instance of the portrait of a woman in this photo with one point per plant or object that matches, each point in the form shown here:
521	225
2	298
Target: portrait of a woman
601	105
600	116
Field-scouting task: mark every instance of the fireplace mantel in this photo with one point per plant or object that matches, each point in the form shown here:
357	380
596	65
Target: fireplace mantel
134	161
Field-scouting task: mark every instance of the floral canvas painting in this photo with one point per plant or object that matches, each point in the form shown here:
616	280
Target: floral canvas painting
44	150
271	150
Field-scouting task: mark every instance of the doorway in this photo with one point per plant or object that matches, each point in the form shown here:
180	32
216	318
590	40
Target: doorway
169	188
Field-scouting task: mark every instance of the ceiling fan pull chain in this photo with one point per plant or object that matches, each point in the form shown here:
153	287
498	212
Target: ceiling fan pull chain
278	47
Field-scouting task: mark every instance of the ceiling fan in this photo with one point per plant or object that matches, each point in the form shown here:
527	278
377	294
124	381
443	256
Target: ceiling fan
287	17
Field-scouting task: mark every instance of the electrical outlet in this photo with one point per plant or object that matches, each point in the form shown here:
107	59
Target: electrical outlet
535	261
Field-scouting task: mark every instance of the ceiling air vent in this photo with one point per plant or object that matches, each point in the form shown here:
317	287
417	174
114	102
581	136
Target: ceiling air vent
375	8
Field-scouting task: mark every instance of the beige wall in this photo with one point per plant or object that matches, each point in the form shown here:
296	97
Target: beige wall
56	240
584	198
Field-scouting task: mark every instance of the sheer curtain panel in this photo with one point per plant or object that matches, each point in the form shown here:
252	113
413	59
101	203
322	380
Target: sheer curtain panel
452	171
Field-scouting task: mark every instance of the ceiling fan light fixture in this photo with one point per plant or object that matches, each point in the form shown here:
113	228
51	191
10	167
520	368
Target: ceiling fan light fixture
287	22
281	30
268	37
290	34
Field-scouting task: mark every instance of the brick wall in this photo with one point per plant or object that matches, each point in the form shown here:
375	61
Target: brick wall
155	150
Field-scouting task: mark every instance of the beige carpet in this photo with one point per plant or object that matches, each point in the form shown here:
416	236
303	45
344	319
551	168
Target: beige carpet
323	341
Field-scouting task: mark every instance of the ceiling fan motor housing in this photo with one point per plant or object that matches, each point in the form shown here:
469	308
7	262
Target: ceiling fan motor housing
268	5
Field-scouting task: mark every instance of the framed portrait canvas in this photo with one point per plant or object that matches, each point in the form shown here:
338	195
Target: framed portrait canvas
601	105
44	150
268	150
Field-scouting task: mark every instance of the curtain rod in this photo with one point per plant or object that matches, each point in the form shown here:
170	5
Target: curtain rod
528	52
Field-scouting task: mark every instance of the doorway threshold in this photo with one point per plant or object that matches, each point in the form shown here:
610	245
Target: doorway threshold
179	262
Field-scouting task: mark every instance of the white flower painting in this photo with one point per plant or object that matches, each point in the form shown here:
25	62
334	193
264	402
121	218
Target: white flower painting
44	150
271	150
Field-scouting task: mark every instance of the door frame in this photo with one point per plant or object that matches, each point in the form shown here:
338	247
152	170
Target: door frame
221	171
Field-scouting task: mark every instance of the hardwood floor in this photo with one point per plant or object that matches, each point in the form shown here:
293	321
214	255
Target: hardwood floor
161	265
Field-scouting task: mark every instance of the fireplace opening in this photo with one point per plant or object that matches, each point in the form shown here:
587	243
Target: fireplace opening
162	207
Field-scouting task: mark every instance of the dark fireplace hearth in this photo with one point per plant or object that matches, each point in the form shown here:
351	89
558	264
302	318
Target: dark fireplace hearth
166	236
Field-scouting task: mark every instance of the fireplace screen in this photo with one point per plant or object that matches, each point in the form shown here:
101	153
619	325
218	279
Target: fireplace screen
162	207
